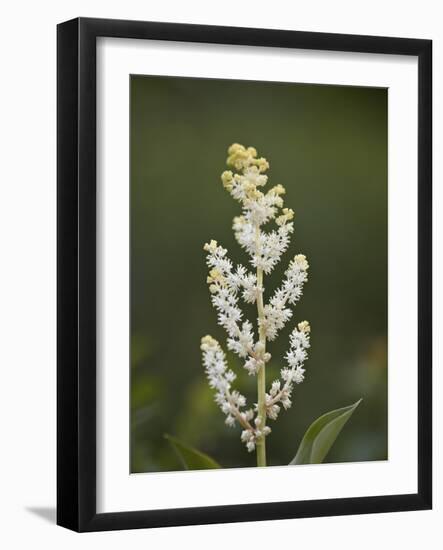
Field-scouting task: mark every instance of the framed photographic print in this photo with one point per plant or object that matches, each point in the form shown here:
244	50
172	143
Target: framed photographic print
244	274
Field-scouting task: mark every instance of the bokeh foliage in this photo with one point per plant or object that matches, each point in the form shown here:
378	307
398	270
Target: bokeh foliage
328	146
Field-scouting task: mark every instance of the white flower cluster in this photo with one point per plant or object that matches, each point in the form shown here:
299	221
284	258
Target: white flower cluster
226	283
277	314
296	356
220	379
250	435
265	249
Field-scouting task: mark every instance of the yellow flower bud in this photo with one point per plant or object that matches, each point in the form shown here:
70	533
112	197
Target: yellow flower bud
208	342
277	190
227	178
304	326
262	164
234	148
210	247
302	262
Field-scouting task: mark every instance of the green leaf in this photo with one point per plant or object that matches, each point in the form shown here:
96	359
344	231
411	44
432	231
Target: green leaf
321	434
191	458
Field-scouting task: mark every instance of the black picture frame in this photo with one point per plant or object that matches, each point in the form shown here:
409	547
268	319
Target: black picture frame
76	266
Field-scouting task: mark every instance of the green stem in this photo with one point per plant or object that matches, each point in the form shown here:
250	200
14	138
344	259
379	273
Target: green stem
261	377
261	442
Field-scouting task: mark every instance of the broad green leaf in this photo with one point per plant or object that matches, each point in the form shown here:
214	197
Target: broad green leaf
321	434
191	458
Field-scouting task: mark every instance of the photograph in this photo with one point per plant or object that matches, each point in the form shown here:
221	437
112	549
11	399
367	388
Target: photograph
258	274
220	274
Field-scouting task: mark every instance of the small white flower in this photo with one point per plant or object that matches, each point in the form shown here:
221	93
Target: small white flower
251	365
275	388
230	421
272	411
298	375
247	415
252	176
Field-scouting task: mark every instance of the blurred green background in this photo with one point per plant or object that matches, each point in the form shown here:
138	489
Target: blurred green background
328	146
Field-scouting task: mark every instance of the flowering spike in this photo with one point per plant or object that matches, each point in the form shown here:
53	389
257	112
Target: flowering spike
246	183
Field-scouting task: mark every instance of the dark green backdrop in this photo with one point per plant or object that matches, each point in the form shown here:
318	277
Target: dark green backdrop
328	146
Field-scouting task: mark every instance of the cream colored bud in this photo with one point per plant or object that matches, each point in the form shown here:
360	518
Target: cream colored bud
208	342
259	348
277	190
227	178
304	326
234	148
210	247
262	164
302	262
